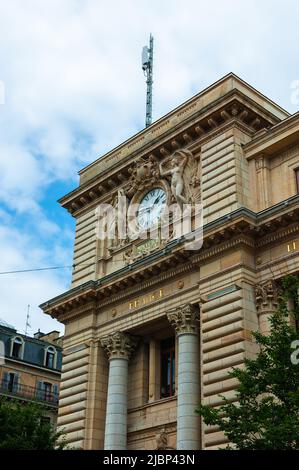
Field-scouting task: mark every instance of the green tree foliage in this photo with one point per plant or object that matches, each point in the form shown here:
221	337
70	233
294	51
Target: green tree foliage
266	414
22	427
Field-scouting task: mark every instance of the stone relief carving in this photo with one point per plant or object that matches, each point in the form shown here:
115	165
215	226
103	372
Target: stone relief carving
260	163
162	440
183	170
140	251
119	345
116	240
267	295
144	174
128	257
180	169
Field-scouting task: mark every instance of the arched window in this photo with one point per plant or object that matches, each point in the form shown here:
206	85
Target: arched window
17	347
50	357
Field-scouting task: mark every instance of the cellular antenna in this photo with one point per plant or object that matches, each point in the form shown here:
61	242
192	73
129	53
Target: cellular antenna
147	67
27	320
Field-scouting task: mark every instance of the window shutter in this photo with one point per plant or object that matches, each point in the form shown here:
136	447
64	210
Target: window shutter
5	380
55	392
40	390
15	385
45	356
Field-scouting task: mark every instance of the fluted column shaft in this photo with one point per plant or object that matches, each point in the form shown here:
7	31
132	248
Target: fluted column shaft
119	347
185	319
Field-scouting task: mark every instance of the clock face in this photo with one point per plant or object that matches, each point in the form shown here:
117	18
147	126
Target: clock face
151	207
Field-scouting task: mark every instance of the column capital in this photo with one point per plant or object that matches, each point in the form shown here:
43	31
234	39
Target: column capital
267	296
184	319
119	345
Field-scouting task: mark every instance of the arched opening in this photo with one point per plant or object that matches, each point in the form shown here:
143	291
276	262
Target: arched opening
50	357
17	348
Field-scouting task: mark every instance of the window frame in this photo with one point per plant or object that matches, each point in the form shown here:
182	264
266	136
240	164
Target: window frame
20	341
163	352
50	350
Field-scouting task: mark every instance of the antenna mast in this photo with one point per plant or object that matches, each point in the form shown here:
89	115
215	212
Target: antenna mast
27	320
147	67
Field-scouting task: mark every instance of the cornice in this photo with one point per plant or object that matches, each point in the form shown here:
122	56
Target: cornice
241	227
275	139
31	365
91	203
224	246
226	84
151	405
148	284
277	236
234	108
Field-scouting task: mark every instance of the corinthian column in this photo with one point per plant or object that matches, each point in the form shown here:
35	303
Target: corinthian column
185	321
266	299
119	347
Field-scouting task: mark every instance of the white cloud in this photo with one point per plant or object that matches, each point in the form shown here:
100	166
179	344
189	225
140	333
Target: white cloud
74	89
19	251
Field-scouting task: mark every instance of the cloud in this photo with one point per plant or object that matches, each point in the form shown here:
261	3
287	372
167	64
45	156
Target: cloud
74	89
21	250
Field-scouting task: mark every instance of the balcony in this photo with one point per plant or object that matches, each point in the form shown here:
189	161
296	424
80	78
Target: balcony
25	392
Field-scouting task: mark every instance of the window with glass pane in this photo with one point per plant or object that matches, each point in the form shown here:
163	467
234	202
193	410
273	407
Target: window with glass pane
167	368
17	348
11	381
48	391
50	358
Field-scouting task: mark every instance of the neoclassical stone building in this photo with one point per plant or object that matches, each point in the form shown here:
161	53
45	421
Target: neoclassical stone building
152	329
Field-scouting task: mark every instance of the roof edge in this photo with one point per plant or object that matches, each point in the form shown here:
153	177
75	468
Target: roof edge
226	77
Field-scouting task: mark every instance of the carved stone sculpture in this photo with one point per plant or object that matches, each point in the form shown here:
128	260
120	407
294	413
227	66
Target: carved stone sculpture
176	171
144	174
162	441
115	235
183	171
128	257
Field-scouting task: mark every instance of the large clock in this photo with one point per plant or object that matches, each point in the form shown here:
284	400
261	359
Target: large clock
151	208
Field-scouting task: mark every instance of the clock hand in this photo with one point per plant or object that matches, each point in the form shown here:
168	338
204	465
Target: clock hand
143	209
159	198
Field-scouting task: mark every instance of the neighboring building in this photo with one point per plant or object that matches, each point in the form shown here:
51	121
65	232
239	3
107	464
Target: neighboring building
31	368
152	329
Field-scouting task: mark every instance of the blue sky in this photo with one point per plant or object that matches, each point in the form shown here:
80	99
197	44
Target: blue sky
74	89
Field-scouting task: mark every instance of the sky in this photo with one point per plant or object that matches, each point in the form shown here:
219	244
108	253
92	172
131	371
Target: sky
72	88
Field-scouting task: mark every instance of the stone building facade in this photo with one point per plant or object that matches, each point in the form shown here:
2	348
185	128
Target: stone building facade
152	329
30	368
